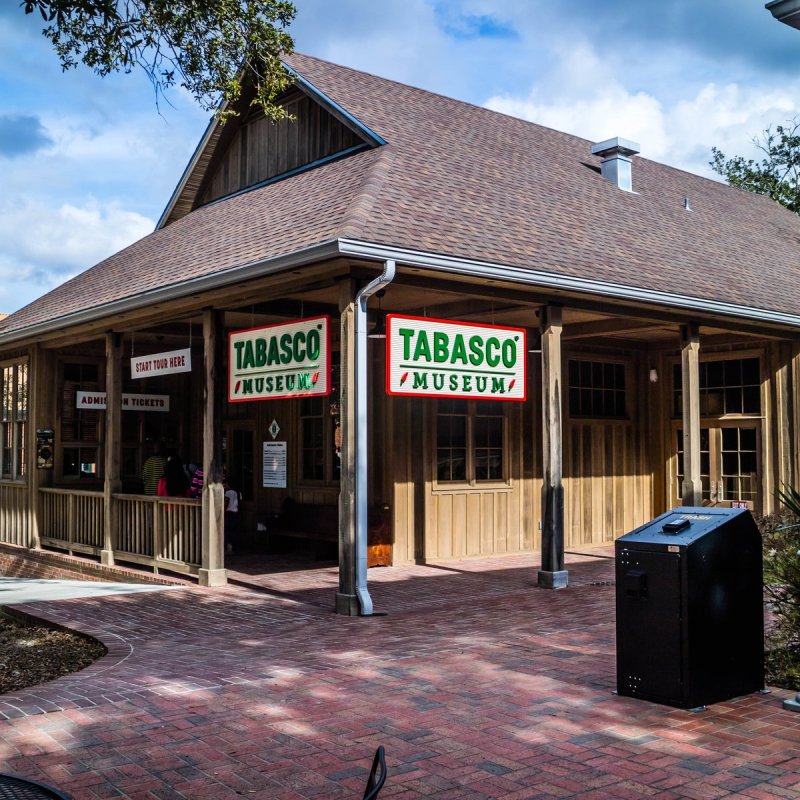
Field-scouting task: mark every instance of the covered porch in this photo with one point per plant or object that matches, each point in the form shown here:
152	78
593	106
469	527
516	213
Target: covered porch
602	442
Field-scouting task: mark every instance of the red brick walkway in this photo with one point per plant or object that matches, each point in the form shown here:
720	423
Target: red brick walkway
478	684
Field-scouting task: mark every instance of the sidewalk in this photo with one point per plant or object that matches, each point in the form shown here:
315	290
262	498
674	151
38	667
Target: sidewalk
14	591
478	684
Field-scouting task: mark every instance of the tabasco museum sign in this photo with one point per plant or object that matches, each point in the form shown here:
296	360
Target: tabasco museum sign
278	361
440	358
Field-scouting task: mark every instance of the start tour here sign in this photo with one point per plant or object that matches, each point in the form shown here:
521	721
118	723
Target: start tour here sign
441	358
278	361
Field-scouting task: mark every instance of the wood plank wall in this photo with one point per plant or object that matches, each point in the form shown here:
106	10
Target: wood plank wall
608	477
261	149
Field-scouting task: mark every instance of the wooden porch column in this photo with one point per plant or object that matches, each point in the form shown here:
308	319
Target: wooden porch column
39	416
795	411
113	436
212	570
552	575
782	430
346	597
692	487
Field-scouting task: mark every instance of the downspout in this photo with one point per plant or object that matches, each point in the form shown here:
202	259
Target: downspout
361	391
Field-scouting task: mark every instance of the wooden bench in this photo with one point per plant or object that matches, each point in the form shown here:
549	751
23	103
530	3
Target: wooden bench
320	524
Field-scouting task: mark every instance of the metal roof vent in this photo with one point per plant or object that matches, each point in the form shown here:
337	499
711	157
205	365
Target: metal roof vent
616	163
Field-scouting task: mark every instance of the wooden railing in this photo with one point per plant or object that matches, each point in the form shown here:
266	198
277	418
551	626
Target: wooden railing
14	514
73	519
159	532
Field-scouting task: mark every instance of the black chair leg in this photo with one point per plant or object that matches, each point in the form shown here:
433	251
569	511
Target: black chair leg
376	780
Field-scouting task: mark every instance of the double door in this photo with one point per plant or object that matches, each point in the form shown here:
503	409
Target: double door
730	464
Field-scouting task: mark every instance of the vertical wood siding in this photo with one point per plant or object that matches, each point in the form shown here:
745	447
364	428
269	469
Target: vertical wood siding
607	484
14	514
261	149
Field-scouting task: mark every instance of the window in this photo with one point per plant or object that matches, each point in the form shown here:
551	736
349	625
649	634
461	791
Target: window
730	456
319	433
312	432
470	441
15	420
451	440
596	389
730	386
80	427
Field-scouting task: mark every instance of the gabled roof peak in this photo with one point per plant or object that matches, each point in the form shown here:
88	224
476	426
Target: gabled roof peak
252	165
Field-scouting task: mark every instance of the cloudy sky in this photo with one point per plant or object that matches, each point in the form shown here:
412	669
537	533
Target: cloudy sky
87	165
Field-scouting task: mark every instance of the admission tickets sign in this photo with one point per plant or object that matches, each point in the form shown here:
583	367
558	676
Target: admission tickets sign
441	358
278	361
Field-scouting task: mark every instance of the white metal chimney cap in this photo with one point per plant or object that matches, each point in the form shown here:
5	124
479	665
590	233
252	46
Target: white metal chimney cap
617	145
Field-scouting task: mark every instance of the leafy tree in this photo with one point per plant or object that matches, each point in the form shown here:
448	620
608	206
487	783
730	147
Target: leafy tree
777	175
210	47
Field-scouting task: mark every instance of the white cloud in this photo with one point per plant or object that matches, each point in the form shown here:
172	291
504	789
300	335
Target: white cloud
679	131
44	246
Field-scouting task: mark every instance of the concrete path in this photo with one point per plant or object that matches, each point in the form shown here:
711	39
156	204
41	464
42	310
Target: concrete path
479	685
14	591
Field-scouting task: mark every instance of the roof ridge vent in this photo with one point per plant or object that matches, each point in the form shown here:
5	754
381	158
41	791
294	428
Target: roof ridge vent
616	163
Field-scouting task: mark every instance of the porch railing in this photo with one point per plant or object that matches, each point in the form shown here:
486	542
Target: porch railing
159	532
15	517
73	519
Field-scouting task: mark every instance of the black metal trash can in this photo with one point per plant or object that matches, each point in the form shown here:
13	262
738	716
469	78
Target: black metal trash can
690	611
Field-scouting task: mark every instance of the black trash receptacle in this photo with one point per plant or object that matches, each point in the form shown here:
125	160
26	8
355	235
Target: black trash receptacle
690	611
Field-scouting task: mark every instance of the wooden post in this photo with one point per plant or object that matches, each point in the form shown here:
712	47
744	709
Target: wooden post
795	412
782	428
552	575
113	437
692	487
39	416
346	597
212	570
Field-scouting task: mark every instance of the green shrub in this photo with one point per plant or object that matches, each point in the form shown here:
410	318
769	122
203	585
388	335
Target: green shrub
781	542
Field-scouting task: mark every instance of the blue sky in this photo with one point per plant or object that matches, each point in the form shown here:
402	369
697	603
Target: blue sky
88	164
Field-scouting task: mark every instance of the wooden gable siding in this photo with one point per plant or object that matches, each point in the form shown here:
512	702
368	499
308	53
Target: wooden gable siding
261	149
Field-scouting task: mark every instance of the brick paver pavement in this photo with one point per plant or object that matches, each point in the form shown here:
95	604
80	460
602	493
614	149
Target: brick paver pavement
479	684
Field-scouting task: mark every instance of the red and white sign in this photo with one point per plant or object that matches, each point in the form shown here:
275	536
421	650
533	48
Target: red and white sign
96	401
162	363
291	359
442	358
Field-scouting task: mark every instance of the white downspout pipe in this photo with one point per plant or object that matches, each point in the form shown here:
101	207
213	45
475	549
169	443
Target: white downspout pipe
361	392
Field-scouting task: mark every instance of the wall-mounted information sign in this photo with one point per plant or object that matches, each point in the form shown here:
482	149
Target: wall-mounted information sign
278	361
161	363
274	466
441	358
130	402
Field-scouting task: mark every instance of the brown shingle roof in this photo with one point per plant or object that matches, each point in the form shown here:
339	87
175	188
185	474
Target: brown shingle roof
456	179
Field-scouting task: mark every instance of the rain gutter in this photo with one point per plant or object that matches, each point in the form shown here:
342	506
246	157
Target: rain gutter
204	283
550	280
413	258
362	458
786	11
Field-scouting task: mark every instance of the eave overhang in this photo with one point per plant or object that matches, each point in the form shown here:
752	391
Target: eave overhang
785	11
696	309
